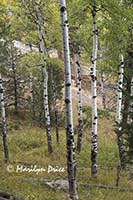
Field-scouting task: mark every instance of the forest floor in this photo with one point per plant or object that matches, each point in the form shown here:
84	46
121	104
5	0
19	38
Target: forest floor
28	147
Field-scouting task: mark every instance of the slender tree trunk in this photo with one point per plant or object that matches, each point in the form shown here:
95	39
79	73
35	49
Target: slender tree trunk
32	97
41	105
126	103
45	73
103	90
71	161
118	113
80	131
94	96
55	108
15	88
47	113
3	116
131	121
74	68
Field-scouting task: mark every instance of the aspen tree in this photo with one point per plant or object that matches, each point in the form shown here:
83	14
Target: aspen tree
37	18
103	90
3	116
71	162
131	122
94	95
78	70
43	52
32	96
119	114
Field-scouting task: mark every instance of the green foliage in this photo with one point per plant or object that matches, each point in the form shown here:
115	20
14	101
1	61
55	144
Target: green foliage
87	112
30	62
4	34
114	21
55	70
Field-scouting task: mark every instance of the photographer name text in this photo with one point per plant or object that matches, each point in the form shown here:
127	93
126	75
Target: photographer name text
35	169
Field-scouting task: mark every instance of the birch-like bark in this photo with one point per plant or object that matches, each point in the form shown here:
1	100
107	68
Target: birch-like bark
41	105
32	97
3	116
55	108
103	90
131	121
94	96
71	161
131	104
74	68
126	106
119	114
45	73
80	131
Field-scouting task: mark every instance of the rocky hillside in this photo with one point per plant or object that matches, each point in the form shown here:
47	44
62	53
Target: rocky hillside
110	89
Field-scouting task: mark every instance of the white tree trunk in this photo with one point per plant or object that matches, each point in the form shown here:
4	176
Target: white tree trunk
131	104
80	131
118	112
131	121
71	161
94	96
32	97
45	73
3	116
119	91
103	90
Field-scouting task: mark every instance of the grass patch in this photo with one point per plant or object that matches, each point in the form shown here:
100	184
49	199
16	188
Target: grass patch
28	146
